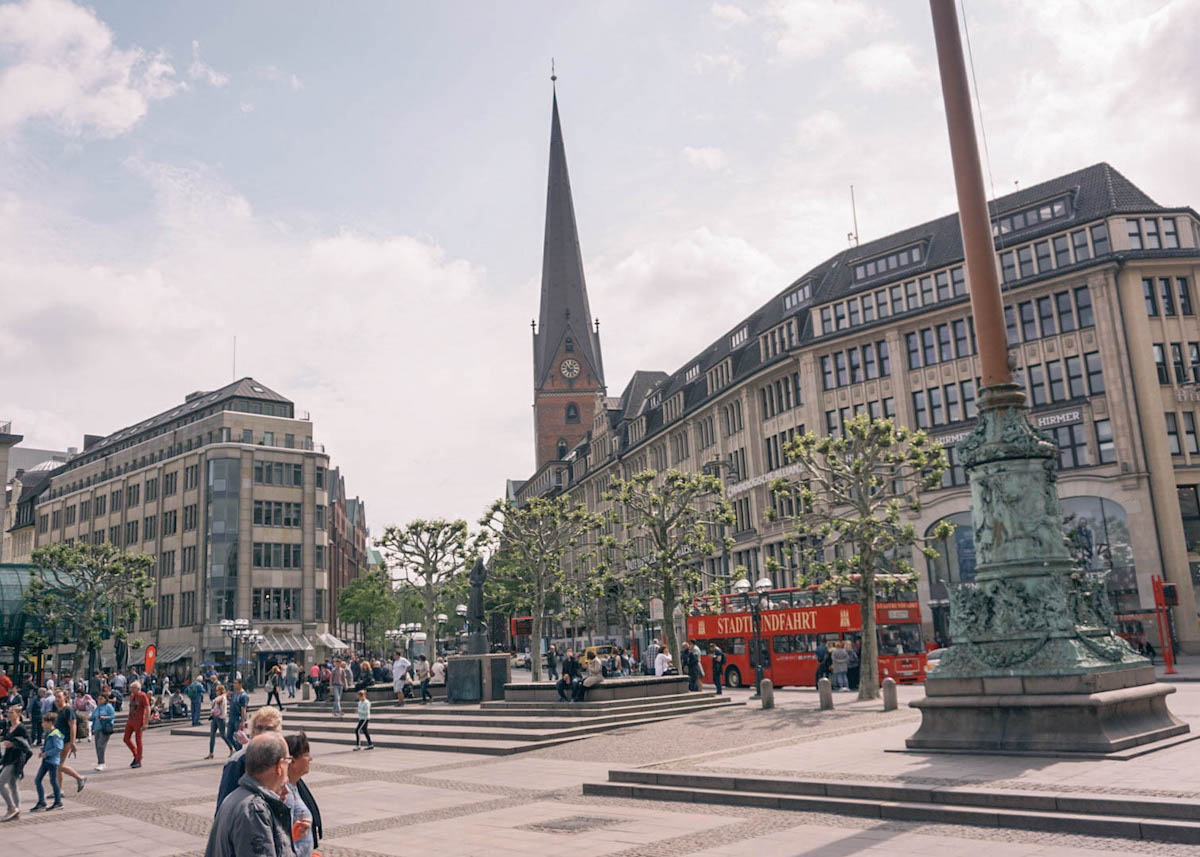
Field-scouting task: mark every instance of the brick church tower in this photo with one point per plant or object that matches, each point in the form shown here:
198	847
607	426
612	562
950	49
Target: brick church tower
568	374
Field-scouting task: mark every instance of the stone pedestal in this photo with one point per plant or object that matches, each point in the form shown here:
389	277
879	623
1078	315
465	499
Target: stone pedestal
1035	665
476	678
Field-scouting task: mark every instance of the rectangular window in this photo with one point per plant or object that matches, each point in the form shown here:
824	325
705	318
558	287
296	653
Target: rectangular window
1072	447
1037	384
1046	315
1160	364
839	366
885	359
166	564
911	294
928	349
953	407
1168	300
854	363
914	351
826	320
1062	251
870	365
151	490
831	422
1066	312
927	291
958	281
943	286
1025	261
1008	265
1170	237
132	495
1105	447
1100	239
1150	233
1181	372
170	483
827	381
131	533
1029	331
1189	433
101	505
1185	296
962	342
920	414
1173	433
320	476
1010	324
897	298
839	316
1054	376
968	397
114	500
1148	296
1193	361
1135	233
868	308
1075	387
1083	305
852	304
1080	242
1095	372
937	415
1042	249
149	527
945	349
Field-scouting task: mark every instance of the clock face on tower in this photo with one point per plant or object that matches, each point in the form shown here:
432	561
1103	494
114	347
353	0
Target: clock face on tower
569	368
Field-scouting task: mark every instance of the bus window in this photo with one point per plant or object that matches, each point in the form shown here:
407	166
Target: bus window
900	639
782	644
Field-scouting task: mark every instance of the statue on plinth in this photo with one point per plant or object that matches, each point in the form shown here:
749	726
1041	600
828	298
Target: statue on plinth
477	639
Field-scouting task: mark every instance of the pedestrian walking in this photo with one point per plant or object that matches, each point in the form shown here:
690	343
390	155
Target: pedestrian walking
16	752
718	666
139	717
264	721
853	668
51	757
273	683
254	821
692	667
66	721
364	718
400	667
423	674
217	712
306	815
6	686
235	708
195	695
103	722
291	675
840	658
338	678
552	664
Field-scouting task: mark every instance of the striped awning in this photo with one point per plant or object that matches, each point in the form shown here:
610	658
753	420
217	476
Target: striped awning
331	642
285	643
166	654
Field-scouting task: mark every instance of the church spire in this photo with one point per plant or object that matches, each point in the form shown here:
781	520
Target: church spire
564	305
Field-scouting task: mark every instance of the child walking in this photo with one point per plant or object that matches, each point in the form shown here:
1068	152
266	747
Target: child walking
364	718
52	749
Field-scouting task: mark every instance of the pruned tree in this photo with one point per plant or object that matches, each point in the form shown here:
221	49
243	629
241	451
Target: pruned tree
670	521
427	557
536	548
87	592
370	602
850	500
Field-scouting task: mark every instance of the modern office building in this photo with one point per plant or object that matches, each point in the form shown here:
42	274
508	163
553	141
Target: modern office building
1100	283
229	494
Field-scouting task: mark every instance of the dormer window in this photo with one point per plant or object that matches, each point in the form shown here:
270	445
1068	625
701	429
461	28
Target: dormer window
656	398
570	344
739	336
797	297
692	373
562	449
1035	215
896	261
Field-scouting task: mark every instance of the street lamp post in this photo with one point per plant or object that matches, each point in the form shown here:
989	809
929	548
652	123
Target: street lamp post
461	610
442	619
754	602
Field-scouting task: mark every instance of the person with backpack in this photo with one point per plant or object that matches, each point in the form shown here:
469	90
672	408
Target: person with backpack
16	752
195	694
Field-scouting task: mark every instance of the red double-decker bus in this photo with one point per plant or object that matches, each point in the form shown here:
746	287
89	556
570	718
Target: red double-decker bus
794	623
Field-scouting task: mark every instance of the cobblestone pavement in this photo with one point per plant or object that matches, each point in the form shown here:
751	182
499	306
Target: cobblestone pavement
411	802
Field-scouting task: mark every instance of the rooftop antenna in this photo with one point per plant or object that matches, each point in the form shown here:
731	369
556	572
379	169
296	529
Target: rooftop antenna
852	237
597	323
553	76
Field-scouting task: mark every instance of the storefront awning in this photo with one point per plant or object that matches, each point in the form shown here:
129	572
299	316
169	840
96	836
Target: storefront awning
331	642
171	654
285	643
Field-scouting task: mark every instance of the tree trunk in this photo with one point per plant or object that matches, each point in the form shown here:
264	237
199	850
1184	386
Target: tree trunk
868	661
669	636
537	634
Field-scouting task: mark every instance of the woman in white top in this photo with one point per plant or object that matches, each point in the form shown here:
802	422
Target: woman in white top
662	662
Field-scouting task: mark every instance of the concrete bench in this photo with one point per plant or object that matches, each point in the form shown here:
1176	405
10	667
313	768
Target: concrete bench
631	687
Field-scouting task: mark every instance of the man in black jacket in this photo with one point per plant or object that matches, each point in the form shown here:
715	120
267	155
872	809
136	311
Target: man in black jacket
253	821
570	675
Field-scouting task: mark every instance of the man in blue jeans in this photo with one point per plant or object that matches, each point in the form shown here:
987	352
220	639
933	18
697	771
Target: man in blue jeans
239	701
51	758
195	693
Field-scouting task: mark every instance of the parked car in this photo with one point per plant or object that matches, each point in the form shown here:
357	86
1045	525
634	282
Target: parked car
592	652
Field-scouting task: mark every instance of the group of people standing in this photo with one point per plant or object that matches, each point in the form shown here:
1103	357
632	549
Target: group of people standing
53	722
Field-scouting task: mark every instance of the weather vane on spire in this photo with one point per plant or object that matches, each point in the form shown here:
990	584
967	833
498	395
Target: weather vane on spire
553	76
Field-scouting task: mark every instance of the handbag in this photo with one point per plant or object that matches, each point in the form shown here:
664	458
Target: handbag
106	727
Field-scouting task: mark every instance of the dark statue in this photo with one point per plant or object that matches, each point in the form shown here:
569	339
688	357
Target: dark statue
475	618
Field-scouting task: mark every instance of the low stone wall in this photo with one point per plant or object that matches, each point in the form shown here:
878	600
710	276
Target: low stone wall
632	687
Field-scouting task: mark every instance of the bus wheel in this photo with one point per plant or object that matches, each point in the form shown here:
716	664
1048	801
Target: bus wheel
733	677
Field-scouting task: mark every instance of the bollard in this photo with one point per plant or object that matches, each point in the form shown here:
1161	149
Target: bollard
889	694
306	692
767	691
825	691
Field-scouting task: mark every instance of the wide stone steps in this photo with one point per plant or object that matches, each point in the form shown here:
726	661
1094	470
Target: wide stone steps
470	730
599	709
1130	817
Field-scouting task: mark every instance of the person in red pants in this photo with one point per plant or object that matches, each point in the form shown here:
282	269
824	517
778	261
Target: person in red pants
139	716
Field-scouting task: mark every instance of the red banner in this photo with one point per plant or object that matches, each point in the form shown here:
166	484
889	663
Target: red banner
151	657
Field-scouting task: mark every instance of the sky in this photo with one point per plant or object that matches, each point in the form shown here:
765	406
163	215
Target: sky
356	192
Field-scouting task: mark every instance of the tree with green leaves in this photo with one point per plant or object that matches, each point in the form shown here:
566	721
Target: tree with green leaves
370	602
84	593
427	557
851	498
536	551
670	521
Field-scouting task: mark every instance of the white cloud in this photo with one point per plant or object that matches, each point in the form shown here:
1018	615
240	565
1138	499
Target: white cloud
278	75
729	14
726	61
706	157
200	70
884	66
806	29
819	129
66	70
246	106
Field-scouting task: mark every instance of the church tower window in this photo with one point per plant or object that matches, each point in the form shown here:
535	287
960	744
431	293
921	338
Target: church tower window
562	449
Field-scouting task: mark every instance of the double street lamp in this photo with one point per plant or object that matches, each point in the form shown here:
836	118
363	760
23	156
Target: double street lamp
239	631
754	603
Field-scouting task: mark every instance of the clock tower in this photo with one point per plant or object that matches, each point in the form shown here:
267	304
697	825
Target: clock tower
568	375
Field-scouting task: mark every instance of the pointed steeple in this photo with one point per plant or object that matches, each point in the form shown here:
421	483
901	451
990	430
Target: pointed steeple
564	306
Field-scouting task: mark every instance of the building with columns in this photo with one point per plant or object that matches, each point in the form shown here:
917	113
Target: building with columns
238	506
1100	287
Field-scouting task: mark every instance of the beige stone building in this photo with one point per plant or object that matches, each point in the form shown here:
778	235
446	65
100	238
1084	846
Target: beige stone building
1100	286
229	494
